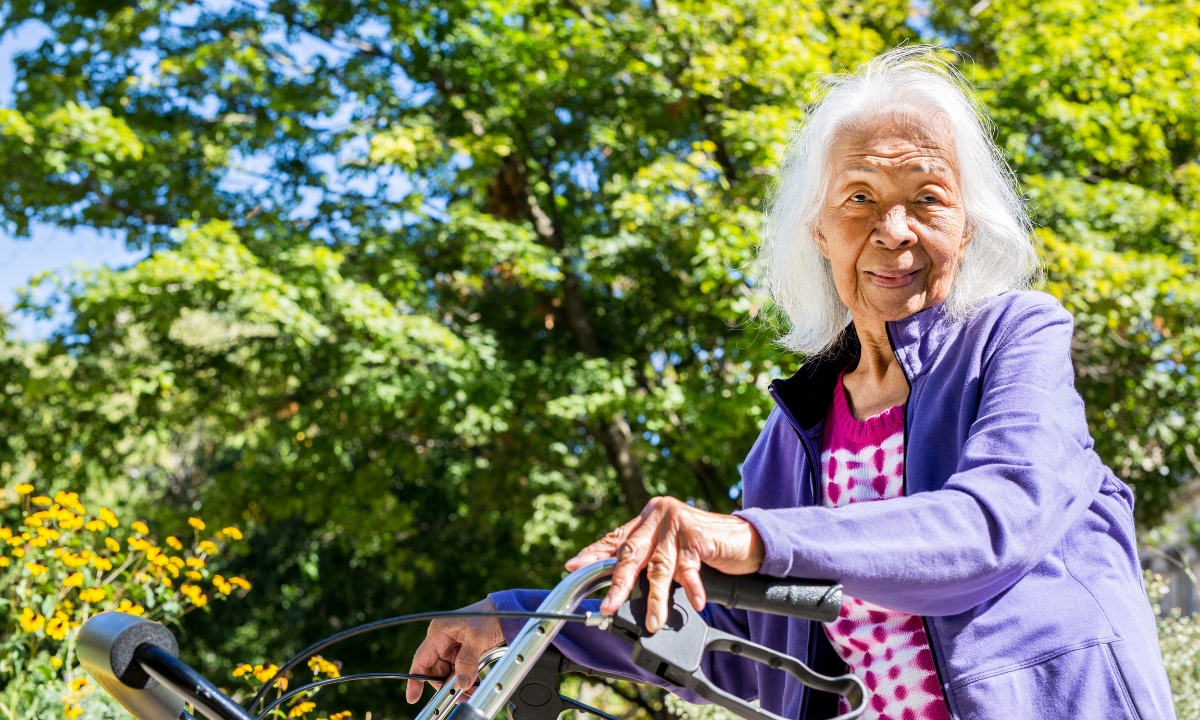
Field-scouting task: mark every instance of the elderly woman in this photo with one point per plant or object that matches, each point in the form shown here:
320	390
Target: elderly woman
932	453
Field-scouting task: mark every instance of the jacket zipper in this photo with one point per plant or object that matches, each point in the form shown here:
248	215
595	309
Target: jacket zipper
815	487
937	663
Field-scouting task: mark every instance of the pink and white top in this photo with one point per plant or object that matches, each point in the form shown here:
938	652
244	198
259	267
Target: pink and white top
864	461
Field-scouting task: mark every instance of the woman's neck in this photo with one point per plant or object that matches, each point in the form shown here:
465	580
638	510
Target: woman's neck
877	382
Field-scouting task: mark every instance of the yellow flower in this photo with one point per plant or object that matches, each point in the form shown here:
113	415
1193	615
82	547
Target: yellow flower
107	516
240	582
302	709
195	562
94	525
166	581
193	593
35	569
42	501
74	523
112	544
79	683
221	585
128	607
242	669
24	489
5	533
138	544
196	523
193	575
58	627
321	666
56	662
74	580
174	542
208	547
69	500
72	560
343	715
31	622
92	595
232	532
140	527
18	552
72	709
264	673
102	564
4	562
160	559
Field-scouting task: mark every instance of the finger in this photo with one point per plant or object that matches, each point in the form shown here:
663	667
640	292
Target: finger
604	548
431	658
687	574
466	665
660	571
631	558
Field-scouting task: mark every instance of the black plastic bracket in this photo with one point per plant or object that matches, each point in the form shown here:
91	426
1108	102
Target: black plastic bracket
538	699
674	653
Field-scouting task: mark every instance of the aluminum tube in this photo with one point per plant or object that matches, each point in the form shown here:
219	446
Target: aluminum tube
444	699
492	695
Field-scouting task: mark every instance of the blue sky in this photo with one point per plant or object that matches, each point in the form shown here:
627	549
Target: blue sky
49	248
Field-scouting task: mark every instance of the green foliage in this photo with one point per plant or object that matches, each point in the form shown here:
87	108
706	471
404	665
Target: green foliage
439	291
1179	638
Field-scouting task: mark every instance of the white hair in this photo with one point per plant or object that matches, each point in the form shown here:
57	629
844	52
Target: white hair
1000	256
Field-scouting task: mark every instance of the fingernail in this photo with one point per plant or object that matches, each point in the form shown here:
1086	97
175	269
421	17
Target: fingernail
463	681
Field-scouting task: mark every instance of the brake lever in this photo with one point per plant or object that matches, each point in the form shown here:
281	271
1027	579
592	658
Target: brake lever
537	698
674	653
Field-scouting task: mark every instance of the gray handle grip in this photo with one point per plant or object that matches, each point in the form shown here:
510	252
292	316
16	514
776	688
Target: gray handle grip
805	599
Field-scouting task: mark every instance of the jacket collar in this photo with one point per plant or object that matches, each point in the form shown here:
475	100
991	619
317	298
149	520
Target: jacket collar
807	394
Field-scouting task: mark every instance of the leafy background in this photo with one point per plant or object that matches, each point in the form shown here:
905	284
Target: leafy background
435	292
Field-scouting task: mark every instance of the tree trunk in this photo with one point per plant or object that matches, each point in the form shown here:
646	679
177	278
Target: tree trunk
504	200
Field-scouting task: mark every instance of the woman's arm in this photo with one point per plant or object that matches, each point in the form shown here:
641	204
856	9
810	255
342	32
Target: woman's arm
1025	475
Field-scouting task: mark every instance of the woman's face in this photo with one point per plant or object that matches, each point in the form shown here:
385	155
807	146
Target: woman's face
893	224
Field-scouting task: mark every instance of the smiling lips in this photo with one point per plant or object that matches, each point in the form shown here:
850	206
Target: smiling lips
892	278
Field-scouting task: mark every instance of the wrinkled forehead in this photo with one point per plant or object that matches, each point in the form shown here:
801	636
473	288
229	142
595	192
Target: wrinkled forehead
908	135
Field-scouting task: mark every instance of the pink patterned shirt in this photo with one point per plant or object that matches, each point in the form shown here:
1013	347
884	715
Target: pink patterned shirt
888	650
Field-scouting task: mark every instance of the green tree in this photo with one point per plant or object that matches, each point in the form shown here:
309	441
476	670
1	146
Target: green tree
1095	107
438	291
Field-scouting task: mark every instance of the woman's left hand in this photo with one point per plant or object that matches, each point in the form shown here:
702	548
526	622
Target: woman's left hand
671	540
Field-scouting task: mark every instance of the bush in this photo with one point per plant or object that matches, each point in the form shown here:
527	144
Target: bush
61	564
1179	637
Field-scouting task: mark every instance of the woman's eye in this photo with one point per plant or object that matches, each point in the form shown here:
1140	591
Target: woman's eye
929	199
858	197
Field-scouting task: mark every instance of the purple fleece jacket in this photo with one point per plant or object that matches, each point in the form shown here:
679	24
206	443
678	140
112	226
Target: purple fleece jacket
1013	540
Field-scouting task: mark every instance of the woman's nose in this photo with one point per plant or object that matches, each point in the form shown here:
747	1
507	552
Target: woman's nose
893	231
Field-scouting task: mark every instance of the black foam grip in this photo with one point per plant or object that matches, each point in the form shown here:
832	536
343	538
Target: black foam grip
124	666
818	600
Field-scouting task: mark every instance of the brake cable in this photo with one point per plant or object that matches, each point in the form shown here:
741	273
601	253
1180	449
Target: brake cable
320	645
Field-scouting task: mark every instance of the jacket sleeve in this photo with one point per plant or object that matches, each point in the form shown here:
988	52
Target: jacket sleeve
597	649
1025	474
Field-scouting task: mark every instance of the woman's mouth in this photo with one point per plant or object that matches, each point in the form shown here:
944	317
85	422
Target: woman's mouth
893	278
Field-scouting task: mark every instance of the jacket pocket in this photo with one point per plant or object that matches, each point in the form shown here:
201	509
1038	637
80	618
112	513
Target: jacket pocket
1080	682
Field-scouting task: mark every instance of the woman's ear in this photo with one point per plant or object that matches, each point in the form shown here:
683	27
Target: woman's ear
822	243
968	235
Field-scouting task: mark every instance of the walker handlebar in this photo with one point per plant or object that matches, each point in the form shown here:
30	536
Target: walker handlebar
807	600
134	660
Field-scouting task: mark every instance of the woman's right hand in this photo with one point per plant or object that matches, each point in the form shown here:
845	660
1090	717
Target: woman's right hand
455	644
